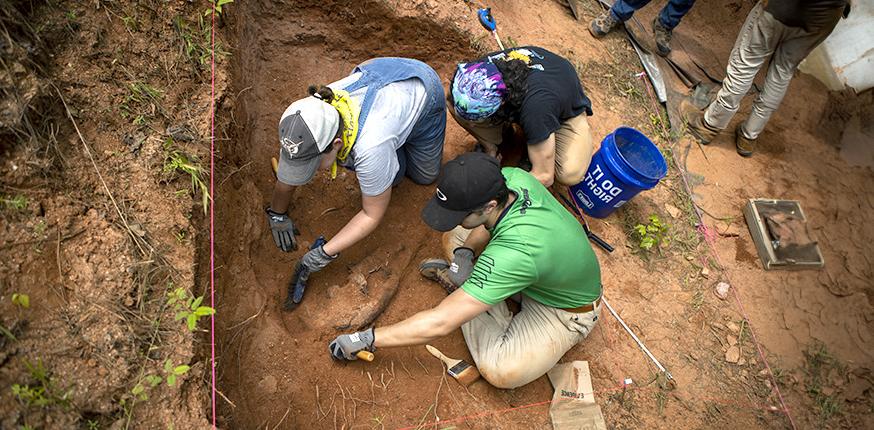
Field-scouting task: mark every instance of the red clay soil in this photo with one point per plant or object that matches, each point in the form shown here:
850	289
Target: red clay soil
97	268
813	327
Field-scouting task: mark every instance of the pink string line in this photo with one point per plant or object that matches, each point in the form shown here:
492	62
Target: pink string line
710	239
212	215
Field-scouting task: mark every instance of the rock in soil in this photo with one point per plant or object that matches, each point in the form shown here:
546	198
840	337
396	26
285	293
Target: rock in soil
732	355
721	290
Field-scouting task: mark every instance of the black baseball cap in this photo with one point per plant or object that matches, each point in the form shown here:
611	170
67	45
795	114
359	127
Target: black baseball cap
468	182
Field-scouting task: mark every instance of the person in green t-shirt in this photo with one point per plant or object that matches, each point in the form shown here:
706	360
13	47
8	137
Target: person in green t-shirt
530	245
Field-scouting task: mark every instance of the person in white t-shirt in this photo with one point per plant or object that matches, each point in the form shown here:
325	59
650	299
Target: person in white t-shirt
384	121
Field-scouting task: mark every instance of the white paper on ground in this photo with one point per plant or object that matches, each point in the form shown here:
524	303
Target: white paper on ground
573	404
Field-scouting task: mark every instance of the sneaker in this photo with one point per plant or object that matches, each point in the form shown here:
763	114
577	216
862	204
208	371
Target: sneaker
662	37
744	145
437	270
600	26
696	124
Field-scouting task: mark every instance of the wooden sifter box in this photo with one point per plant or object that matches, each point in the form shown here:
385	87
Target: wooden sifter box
779	230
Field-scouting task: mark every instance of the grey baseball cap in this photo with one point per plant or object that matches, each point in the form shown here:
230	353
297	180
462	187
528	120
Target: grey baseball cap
306	128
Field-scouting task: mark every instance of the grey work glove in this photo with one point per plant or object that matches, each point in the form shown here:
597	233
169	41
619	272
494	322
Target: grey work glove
316	259
345	346
462	265
283	230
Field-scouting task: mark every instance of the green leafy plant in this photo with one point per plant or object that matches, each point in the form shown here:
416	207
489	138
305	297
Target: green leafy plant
21	300
176	161
651	234
17	202
171	372
218	7
43	393
187	307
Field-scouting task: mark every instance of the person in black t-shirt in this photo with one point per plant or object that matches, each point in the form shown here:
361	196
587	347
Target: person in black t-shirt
536	89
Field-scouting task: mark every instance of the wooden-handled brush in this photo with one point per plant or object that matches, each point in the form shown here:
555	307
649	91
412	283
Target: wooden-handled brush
364	355
461	370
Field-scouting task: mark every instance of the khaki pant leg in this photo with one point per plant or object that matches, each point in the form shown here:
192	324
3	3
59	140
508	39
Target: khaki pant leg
511	351
573	150
487	134
453	239
757	40
792	49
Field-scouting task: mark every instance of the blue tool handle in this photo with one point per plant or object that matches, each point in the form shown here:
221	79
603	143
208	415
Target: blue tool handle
486	19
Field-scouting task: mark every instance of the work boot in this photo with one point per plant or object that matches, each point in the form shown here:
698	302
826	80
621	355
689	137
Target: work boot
437	270
744	145
696	124
600	26
662	37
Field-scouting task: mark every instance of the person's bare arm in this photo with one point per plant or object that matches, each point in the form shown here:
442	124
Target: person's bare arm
281	197
431	324
363	223
542	157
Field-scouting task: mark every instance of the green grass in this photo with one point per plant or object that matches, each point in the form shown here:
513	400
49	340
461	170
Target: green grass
17	202
177	162
141	104
819	364
196	42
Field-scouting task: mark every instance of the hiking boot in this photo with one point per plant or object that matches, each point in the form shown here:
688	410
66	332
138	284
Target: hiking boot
744	145
600	26
437	270
696	124
662	37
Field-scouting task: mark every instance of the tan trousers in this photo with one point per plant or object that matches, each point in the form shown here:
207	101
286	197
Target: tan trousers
761	37
511	351
573	144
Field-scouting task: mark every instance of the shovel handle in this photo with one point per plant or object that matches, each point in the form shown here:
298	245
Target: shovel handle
486	19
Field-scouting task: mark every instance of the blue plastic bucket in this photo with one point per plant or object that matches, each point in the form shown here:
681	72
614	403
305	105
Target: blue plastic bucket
627	163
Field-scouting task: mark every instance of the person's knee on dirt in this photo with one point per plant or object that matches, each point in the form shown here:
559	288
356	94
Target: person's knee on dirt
330	129
662	26
786	32
532	87
527	242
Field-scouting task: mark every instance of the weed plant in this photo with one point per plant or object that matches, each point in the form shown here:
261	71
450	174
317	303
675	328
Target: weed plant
176	162
43	392
187	307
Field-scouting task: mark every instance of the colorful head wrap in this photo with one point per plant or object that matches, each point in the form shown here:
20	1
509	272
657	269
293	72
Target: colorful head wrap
477	90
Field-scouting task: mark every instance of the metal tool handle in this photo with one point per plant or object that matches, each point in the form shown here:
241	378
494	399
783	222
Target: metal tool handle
486	19
598	241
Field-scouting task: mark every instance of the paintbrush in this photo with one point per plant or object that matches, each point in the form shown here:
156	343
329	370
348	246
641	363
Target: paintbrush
461	370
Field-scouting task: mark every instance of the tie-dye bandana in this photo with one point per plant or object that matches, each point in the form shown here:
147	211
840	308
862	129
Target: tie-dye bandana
478	89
